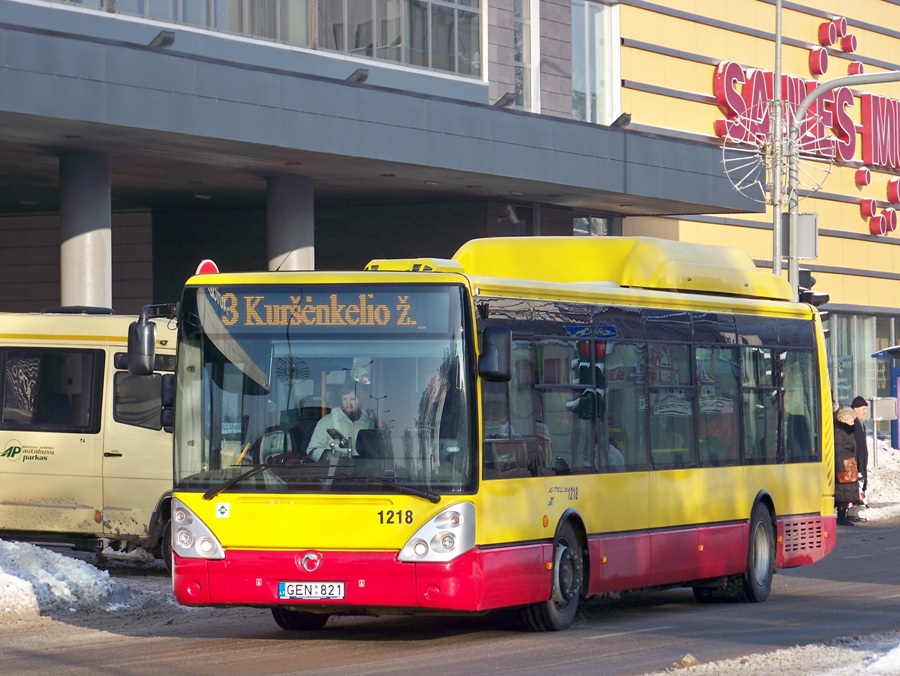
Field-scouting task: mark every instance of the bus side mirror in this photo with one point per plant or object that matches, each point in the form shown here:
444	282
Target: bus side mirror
167	399
495	363
141	346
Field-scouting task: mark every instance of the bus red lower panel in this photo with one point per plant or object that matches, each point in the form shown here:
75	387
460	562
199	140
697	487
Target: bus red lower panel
804	539
479	580
658	558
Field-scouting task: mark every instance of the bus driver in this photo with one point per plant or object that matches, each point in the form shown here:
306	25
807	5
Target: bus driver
348	420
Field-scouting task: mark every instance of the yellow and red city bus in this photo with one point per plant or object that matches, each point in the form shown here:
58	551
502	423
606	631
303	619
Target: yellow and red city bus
544	419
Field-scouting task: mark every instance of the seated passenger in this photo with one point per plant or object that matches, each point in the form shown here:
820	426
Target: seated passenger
615	459
348	420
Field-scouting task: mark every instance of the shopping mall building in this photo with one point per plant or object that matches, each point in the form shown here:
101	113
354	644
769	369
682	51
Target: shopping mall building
138	137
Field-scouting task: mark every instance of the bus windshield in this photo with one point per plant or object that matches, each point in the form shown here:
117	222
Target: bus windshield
348	389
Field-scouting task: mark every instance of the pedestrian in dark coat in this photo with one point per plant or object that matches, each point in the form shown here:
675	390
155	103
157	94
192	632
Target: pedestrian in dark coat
845	494
860	406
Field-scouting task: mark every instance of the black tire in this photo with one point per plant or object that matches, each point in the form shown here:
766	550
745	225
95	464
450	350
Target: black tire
757	580
165	545
297	620
558	613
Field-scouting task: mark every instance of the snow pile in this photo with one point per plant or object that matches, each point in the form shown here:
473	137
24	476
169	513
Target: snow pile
883	493
35	581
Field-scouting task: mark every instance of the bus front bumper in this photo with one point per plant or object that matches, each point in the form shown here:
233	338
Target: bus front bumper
479	580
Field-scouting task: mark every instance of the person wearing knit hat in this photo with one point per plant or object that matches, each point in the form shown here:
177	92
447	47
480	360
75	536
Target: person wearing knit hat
861	407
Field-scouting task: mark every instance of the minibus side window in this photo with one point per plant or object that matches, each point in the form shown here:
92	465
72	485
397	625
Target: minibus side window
50	389
137	400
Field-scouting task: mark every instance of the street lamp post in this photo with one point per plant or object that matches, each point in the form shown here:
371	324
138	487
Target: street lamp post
777	148
794	156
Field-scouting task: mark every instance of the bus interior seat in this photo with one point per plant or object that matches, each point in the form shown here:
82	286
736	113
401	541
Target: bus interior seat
300	423
370	444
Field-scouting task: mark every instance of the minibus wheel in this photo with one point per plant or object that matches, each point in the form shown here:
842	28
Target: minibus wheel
297	620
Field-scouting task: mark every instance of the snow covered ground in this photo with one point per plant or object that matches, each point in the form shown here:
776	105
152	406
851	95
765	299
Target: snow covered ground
36	583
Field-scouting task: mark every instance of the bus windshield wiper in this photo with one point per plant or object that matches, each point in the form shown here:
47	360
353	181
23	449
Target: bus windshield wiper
225	485
400	488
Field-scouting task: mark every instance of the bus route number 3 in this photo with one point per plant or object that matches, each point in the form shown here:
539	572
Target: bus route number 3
395	516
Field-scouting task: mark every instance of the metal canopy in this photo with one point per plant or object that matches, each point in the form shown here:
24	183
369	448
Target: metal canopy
893	352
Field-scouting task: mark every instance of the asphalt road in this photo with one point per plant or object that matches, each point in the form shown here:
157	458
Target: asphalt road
854	591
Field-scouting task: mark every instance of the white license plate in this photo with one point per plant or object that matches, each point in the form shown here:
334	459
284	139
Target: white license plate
310	590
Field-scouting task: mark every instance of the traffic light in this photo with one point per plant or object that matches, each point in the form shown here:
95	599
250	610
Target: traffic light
817	299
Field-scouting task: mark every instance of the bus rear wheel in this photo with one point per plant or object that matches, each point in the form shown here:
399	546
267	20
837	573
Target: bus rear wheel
297	620
558	613
757	581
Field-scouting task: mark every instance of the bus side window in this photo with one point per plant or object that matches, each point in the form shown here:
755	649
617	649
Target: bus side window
671	395
626	402
799	407
759	393
718	414
137	400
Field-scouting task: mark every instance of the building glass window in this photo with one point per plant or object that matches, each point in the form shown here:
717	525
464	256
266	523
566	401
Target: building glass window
522	52
441	34
590	226
884	338
865	365
595	61
842	334
388	21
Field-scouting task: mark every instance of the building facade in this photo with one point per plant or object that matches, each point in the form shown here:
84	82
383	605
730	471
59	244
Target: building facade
138	137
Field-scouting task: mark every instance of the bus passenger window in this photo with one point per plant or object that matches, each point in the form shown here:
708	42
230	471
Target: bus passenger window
799	406
717	374
626	402
671	405
759	394
496	410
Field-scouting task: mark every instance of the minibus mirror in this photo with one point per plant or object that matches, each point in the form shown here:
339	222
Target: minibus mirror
141	346
495	363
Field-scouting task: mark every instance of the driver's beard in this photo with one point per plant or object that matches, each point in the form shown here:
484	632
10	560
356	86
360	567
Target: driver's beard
353	416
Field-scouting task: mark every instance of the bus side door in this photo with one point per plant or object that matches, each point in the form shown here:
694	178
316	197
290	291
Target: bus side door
137	456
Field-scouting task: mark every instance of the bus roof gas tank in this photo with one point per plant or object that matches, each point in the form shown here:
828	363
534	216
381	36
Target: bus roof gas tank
638	262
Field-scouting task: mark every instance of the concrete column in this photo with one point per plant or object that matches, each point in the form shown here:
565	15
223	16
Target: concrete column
290	223
85	217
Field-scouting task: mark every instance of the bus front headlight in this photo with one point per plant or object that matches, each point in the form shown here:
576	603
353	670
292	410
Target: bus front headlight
191	538
446	536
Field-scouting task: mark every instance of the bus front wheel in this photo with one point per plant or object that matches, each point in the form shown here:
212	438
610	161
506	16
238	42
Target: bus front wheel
757	582
297	620
558	613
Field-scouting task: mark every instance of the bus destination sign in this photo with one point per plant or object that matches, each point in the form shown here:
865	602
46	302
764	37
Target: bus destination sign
392	309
